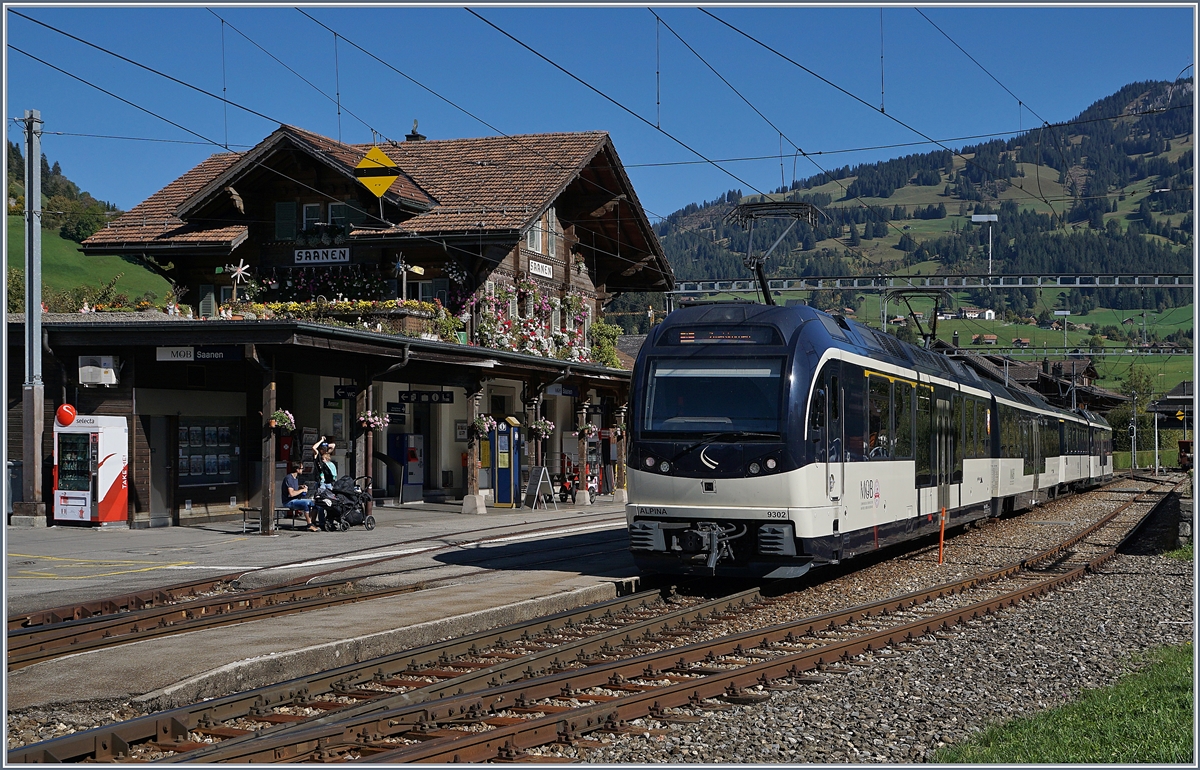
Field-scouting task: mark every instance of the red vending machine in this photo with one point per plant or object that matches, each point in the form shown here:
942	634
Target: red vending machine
91	458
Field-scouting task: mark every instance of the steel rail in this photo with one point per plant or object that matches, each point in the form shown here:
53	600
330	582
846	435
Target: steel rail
26	648
512	736
553	659
83	746
113	740
346	728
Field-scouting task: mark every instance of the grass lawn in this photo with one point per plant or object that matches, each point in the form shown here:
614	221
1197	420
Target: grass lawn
64	266
1145	717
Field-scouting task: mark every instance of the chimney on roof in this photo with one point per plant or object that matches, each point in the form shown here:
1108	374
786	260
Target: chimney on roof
415	136
956	338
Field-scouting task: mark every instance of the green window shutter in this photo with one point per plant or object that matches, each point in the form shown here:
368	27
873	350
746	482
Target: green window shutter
285	221
208	301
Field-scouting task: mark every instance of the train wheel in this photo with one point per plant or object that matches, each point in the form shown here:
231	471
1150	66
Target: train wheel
369	523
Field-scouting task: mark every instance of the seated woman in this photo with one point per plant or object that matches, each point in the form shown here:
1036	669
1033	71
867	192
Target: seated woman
295	497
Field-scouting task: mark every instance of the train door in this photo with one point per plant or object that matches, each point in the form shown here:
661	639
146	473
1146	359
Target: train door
835	458
1035	428
943	447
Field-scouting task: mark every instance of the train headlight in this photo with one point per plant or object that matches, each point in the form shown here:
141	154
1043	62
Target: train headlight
755	468
649	462
664	466
771	463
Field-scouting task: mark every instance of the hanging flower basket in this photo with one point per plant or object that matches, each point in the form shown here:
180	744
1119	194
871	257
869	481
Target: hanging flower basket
541	428
483	424
373	420
587	430
283	420
617	431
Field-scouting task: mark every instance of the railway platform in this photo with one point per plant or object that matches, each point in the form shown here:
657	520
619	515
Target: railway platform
460	574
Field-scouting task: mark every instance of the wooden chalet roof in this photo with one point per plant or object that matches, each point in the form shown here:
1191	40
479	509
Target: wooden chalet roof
154	224
490	183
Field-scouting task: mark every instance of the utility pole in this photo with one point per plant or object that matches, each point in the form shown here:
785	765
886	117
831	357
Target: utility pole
1156	443
33	390
989	218
1133	431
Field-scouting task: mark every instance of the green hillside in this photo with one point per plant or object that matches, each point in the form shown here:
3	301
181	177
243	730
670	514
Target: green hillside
1108	192
64	267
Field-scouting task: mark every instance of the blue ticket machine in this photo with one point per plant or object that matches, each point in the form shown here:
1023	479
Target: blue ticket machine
506	465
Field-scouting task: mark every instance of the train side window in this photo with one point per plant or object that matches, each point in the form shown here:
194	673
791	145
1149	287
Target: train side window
879	417
968	427
924	435
903	415
957	406
816	414
981	434
834	405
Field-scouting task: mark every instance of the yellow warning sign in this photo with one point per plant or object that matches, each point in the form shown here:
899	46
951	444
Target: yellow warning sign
377	171
1179	414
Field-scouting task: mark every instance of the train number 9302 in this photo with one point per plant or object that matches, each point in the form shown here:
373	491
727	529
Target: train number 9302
777	514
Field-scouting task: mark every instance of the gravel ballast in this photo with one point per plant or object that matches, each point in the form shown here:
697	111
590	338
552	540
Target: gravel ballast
901	709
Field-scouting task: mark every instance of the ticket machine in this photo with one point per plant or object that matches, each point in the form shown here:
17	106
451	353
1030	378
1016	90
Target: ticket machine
91	460
505	443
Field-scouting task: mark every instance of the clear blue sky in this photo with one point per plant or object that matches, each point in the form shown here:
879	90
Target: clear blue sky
1057	61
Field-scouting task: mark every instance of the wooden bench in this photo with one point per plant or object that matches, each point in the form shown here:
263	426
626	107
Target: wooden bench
280	513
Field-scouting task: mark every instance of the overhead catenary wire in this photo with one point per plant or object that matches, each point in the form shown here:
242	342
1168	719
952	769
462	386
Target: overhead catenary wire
498	131
312	85
772	125
207	140
611	100
853	96
1020	102
348	110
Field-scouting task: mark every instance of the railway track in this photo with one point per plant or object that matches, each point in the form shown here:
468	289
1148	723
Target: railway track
577	675
209	603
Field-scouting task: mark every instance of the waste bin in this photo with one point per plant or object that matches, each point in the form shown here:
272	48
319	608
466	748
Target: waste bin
15	491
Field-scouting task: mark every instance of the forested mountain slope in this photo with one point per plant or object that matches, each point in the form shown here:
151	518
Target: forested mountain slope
1109	191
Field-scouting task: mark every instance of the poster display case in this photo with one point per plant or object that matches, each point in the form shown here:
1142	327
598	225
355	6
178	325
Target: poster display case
209	451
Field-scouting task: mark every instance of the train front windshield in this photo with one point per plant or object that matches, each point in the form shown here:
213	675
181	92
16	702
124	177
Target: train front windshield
695	395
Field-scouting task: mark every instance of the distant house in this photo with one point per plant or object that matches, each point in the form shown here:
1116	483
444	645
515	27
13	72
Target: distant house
899	321
1020	342
969	312
989	339
989	315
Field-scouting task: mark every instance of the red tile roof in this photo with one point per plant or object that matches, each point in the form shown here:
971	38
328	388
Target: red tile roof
491	183
153	222
351	155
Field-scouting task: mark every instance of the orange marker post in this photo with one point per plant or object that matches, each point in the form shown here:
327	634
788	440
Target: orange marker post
942	536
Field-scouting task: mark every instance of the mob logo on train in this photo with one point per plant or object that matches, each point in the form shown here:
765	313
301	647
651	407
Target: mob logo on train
870	490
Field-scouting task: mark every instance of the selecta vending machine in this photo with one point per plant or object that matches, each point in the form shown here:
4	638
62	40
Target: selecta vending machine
91	459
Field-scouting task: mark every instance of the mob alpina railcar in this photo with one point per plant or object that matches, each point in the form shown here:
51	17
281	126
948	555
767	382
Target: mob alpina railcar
766	440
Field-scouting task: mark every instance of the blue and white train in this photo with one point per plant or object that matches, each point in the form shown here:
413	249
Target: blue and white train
766	440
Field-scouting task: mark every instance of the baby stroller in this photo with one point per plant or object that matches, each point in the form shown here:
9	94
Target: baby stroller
345	504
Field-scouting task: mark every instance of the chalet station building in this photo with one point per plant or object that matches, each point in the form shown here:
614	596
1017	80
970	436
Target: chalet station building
434	282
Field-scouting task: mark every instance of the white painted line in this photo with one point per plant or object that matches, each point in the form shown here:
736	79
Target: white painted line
548	533
354	557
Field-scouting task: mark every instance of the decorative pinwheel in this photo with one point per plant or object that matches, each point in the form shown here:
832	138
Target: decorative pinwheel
239	272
